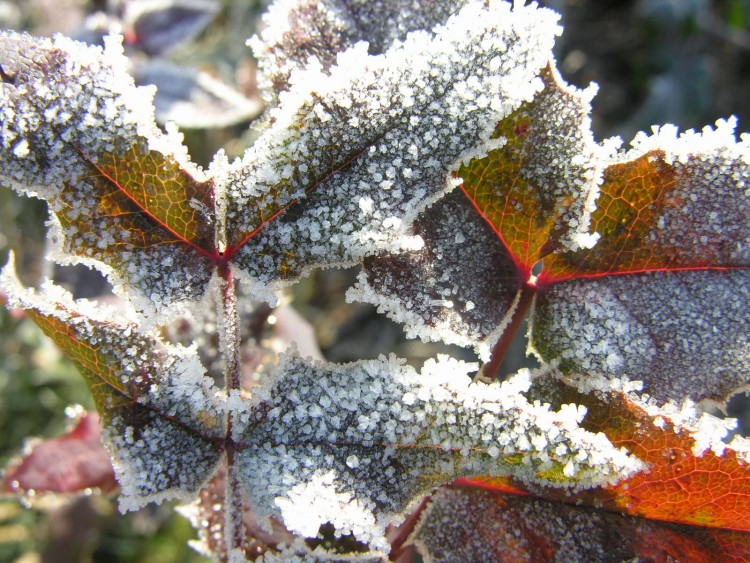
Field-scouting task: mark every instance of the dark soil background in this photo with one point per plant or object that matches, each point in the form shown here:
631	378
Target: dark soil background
685	62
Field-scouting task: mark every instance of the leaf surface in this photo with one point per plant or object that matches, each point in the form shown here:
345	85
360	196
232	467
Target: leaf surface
71	463
123	196
691	475
297	31
357	445
672	263
534	193
153	400
443	302
345	167
469	524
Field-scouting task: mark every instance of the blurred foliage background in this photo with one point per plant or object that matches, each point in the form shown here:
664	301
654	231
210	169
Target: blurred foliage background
685	62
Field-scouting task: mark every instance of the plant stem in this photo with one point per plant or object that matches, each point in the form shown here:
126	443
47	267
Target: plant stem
229	344
527	292
229	330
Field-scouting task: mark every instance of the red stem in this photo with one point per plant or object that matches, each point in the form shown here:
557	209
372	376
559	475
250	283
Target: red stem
229	344
526	298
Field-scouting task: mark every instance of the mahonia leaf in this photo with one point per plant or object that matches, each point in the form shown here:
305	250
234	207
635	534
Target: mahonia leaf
663	296
691	475
123	196
470	524
534	193
154	402
295	32
356	445
71	463
440	302
360	154
538	189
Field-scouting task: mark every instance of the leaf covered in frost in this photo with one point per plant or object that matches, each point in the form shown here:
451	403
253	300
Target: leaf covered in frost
663	296
358	163
357	445
427	289
692	476
122	195
471	524
296	31
153	398
208	515
354	160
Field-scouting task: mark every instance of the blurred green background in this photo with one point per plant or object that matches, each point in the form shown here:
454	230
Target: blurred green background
685	62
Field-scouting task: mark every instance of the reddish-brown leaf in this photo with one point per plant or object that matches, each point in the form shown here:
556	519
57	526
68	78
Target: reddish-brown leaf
469	524
70	463
529	189
680	484
656	214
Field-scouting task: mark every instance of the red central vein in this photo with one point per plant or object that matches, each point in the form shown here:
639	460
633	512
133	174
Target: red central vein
144	209
545	281
524	271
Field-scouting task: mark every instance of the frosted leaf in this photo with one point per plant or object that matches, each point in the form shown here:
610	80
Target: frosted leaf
124	198
294	199
538	189
409	433
691	475
662	297
670	203
464	524
531	196
297	30
207	514
157	459
415	288
161	415
683	334
300	552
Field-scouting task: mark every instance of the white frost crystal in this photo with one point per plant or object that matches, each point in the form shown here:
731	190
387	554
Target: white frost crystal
388	435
